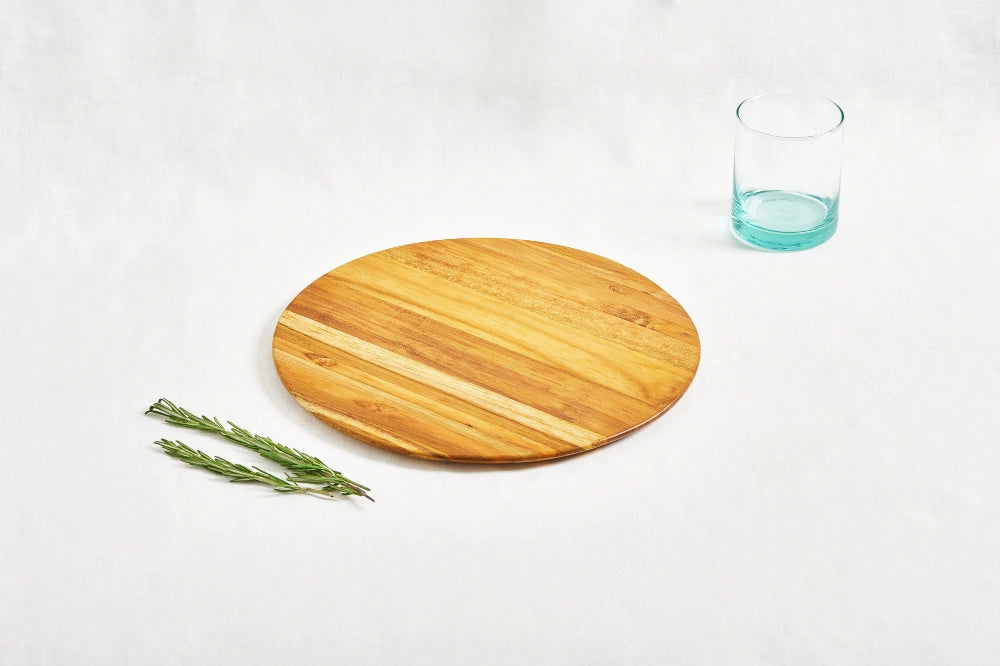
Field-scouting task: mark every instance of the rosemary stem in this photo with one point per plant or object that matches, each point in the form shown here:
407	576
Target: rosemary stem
302	467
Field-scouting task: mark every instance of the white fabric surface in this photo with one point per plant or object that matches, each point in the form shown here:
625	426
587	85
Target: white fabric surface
172	173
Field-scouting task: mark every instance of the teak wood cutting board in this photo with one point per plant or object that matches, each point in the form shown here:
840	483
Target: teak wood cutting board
485	350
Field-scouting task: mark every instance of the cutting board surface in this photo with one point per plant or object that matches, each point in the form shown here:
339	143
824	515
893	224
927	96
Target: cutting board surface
485	350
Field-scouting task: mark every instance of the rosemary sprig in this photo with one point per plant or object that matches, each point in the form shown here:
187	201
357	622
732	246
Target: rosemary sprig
234	471
303	467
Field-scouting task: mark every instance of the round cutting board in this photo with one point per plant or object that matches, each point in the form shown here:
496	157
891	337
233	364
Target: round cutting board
485	350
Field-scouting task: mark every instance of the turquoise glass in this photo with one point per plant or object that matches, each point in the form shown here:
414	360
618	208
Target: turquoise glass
786	173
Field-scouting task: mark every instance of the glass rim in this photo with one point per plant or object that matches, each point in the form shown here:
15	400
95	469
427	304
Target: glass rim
795	137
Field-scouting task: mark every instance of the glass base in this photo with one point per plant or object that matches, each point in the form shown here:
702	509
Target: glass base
782	220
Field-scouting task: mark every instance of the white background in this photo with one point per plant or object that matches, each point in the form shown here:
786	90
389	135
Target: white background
173	173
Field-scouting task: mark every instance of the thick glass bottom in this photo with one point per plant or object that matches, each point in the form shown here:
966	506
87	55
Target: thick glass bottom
782	220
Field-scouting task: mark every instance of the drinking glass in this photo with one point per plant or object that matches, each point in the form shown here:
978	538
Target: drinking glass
786	173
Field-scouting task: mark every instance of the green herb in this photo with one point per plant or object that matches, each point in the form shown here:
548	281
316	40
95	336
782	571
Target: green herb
237	473
302	467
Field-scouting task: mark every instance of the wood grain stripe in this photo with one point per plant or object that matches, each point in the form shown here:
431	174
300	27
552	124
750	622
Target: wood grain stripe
441	381
431	343
523	332
555	302
468	414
